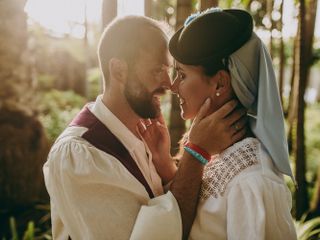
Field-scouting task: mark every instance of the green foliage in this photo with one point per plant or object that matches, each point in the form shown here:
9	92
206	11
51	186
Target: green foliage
46	81
30	233
316	56
57	108
312	142
13	228
312	132
308	230
94	87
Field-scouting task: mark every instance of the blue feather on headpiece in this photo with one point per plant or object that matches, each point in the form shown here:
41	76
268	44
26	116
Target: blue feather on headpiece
195	15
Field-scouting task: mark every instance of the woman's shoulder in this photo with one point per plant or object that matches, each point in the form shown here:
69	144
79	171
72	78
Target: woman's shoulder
237	161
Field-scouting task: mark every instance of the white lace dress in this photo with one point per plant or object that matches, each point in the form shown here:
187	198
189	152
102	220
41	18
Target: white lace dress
243	197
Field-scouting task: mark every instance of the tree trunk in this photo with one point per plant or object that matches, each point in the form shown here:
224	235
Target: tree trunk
177	124
269	13
301	193
109	11
148	8
291	111
293	73
208	4
84	86
23	145
310	22
282	58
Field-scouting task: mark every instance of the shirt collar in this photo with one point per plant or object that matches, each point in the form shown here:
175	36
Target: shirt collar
127	138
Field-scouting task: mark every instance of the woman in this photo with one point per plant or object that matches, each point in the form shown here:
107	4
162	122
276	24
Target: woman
243	195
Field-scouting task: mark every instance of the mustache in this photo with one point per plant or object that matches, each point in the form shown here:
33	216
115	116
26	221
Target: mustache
160	91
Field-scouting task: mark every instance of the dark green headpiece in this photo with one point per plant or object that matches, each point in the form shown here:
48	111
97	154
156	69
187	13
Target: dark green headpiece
210	36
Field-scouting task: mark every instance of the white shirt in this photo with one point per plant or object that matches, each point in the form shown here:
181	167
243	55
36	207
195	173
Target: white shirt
243	197
93	196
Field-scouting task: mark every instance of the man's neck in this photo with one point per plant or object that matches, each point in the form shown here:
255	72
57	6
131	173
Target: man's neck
117	104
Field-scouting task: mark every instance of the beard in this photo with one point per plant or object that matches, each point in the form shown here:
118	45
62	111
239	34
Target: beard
142	101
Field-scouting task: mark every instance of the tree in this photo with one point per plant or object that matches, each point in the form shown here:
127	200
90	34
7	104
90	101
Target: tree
282	56
148	8
23	145
109	11
177	124
208	4
307	24
270	25
291	111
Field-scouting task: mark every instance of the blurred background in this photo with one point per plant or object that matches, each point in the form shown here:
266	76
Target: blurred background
49	70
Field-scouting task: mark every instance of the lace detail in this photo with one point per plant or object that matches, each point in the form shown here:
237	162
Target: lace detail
223	168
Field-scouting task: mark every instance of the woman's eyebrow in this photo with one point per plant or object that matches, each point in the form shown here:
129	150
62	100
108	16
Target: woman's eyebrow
178	68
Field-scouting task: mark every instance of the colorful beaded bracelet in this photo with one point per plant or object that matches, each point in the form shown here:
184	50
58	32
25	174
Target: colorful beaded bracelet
200	150
196	155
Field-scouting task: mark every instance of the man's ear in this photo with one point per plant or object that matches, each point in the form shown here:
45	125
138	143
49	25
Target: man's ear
118	69
223	82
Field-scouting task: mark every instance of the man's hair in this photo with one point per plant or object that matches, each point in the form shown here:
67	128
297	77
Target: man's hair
124	38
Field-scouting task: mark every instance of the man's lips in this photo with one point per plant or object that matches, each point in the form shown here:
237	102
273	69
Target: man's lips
156	99
157	94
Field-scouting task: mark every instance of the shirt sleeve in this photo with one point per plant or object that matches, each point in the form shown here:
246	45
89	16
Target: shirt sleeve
259	208
102	200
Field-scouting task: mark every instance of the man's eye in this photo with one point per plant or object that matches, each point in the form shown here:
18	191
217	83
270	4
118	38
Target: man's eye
158	71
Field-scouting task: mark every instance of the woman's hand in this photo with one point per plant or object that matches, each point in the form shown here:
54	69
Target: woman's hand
156	135
219	130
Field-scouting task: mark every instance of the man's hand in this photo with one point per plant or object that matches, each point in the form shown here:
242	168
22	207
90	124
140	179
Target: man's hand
219	130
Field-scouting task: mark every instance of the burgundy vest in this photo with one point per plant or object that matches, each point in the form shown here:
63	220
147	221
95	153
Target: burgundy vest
102	138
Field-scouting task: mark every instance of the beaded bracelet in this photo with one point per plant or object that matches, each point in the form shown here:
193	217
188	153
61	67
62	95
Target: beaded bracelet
196	155
200	150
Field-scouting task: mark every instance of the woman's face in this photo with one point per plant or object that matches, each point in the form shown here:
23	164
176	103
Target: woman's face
193	88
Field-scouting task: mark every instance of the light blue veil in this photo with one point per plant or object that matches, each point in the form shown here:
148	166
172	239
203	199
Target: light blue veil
254	82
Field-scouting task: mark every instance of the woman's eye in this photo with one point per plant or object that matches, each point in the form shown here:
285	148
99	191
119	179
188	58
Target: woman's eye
181	76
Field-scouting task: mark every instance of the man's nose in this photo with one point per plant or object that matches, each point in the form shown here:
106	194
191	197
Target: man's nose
166	83
175	86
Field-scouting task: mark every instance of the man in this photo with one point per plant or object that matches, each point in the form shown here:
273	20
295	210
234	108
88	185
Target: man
100	175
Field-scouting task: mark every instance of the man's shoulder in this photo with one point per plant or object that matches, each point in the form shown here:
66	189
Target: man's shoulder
71	135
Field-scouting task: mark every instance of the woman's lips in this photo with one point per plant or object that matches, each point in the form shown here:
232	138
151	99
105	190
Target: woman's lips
182	101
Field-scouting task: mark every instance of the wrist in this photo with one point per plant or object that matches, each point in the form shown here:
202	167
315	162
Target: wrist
199	150
197	153
166	168
168	171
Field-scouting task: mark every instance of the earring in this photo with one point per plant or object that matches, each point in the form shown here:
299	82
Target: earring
217	94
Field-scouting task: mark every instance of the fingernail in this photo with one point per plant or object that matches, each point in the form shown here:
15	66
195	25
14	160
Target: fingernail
207	101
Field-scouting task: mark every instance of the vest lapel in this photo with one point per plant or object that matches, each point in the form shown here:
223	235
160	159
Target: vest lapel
103	139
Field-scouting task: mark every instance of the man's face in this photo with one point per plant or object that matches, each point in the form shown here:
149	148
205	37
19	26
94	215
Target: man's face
147	81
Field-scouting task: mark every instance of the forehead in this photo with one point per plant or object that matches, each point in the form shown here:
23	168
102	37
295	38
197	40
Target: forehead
155	54
188	68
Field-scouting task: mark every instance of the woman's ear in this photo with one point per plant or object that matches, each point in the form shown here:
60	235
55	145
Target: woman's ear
223	82
118	70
